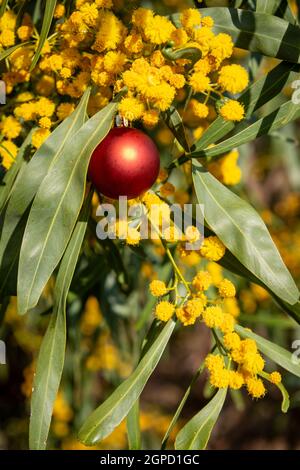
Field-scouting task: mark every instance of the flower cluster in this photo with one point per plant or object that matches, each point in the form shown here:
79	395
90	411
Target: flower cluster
210	298
144	55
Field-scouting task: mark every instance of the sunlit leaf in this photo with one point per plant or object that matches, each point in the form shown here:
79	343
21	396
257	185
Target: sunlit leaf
196	433
104	419
47	20
52	353
244	233
276	353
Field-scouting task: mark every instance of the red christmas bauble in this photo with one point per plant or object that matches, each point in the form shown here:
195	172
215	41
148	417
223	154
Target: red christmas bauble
125	163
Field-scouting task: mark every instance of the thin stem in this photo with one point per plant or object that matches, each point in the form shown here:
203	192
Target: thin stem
177	270
183	401
181	405
219	343
170	256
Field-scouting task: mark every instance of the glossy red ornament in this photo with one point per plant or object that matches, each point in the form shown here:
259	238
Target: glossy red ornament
125	163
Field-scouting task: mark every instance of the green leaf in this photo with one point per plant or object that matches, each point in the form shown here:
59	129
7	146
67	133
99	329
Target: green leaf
3	7
258	32
52	353
174	122
110	414
279	8
280	117
181	406
6	53
47	20
9	262
262	91
285	398
196	433
244	233
28	182
133	428
230	262
276	353
56	207
8	181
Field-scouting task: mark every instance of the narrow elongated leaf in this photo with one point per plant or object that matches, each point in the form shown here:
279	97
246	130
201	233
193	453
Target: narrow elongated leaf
230	262
52	353
267	6
3	7
9	262
281	356
285	404
56	207
6	53
105	418
10	176
133	427
253	98
279	8
181	406
35	171
47	20
258	32
280	117
173	120
258	94
196	433
244	233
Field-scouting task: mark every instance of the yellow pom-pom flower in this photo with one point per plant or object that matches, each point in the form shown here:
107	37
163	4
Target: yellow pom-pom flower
226	288
199	82
236	379
59	10
133	236
39	137
150	118
232	340
158	30
214	361
213	317
212	248
164	311
227	324
199	109
190	18
275	377
10	127
192	234
190	311
131	108
202	280
114	62
158	288
255	387
232	110
8	153
233	78
45	122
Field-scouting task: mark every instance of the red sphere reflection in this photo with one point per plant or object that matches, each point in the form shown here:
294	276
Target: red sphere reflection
125	163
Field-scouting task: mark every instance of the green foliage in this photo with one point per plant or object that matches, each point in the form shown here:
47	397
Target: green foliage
196	433
52	353
243	232
105	418
47	20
